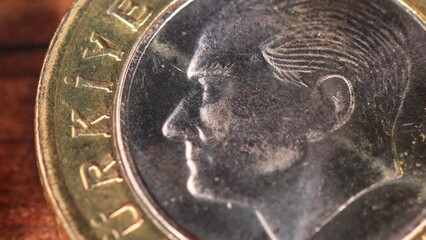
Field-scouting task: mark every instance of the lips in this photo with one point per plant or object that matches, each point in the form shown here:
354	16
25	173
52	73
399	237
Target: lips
200	168
194	152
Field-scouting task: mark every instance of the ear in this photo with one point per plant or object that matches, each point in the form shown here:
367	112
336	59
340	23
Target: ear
338	92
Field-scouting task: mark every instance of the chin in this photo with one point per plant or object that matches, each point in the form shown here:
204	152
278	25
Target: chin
198	190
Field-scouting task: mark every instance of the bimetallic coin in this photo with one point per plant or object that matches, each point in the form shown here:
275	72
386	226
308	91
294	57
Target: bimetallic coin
236	119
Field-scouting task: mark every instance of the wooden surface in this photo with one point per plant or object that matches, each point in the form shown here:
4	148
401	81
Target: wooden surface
26	27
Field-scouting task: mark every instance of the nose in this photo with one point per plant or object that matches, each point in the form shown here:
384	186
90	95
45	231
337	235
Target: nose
181	125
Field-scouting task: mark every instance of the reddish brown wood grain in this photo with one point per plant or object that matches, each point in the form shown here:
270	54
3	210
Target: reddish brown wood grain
29	22
26	27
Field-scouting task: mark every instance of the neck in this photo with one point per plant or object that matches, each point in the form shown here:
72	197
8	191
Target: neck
309	193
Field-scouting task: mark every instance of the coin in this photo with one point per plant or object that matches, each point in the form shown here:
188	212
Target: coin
236	119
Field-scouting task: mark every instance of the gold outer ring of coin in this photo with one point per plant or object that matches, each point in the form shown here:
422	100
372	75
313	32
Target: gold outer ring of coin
77	153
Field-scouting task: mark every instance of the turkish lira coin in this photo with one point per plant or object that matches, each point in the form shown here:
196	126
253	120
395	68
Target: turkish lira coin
236	119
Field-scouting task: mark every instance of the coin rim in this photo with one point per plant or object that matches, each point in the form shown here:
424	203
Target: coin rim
48	158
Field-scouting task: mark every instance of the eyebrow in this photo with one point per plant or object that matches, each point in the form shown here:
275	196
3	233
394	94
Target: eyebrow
212	69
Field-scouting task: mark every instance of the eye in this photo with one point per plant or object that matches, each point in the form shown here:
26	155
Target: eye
211	93
213	88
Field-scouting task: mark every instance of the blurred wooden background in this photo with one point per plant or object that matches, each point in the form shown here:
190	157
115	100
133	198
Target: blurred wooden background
26	27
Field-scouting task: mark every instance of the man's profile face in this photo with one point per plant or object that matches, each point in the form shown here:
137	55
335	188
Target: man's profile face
243	123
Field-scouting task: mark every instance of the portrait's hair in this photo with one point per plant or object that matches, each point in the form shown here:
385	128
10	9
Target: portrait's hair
358	38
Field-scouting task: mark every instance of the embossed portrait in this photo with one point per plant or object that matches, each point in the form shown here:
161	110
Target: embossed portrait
296	115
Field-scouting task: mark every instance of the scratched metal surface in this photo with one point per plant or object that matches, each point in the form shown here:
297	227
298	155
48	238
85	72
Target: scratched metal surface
281	119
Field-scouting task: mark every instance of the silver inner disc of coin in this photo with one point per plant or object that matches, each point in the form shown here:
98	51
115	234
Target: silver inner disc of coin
280	119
